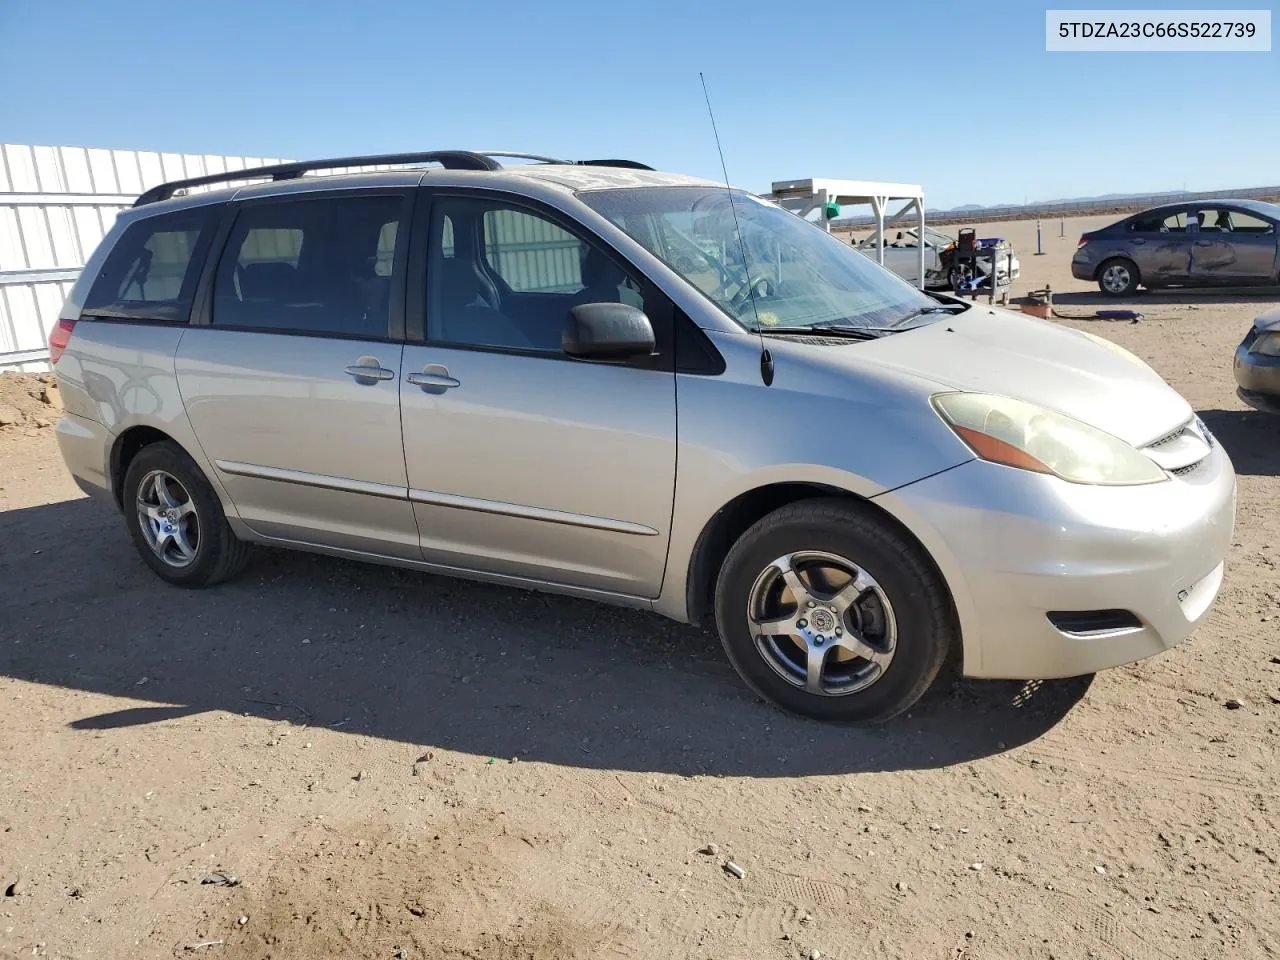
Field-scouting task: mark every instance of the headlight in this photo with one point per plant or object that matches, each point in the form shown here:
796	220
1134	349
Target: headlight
1022	435
1267	345
1115	348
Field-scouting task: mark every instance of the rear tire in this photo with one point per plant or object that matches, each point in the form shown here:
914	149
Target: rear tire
1118	277
176	520
870	629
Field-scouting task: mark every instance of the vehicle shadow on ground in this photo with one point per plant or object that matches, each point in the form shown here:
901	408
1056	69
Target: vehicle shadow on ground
1149	299
1251	439
439	662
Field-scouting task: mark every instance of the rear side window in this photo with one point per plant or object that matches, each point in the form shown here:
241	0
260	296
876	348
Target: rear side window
321	266
151	272
1160	223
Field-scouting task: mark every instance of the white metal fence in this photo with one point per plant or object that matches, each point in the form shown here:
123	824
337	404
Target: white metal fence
56	203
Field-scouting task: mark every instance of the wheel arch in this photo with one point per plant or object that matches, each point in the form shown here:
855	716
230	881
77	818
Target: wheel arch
127	445
728	524
1112	258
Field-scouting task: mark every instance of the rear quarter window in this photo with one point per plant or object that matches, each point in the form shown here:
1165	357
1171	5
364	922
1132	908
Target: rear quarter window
151	272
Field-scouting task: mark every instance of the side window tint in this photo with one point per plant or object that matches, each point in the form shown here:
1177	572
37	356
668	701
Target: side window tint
1248	223
1215	220
386	249
152	271
1174	223
270	245
531	254
319	266
504	277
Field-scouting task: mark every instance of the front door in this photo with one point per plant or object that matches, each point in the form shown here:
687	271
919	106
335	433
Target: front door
291	375
1233	246
1161	247
521	460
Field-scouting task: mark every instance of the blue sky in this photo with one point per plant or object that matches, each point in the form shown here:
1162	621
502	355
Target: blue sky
895	91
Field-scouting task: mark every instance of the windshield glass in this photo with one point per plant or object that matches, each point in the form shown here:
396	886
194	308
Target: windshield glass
799	274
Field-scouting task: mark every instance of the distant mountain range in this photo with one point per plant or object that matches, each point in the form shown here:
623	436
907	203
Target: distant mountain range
1100	198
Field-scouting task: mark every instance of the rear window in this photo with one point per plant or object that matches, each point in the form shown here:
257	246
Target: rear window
151	272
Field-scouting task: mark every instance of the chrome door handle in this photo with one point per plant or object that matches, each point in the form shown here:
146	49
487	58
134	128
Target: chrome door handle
440	380
368	370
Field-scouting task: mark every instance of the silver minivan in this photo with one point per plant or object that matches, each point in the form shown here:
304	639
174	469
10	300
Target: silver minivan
640	388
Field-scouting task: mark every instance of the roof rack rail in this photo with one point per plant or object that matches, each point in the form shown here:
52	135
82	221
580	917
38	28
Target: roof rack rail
628	164
521	156
625	164
451	159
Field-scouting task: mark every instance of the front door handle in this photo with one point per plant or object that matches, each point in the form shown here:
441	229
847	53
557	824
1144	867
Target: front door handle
434	377
1204	243
368	370
1136	241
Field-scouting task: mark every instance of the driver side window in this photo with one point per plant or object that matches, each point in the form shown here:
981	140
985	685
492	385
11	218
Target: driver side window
505	277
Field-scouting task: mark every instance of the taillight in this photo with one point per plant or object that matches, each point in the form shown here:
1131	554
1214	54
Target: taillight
59	339
1083	241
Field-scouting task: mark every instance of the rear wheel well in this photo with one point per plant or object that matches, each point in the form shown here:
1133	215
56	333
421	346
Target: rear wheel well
127	446
724	529
1122	258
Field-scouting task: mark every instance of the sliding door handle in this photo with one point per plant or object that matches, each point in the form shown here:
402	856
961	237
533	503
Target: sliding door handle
441	381
368	370
434	378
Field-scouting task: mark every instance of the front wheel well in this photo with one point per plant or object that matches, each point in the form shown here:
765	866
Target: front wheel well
733	520
127	446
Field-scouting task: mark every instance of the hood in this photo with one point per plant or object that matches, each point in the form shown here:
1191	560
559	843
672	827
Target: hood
1268	322
985	350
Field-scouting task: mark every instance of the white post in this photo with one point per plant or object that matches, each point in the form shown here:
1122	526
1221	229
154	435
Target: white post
920	237
822	210
877	205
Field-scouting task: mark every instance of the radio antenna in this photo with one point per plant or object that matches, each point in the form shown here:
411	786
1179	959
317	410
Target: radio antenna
766	358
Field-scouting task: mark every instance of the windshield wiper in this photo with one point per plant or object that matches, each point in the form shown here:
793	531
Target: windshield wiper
828	330
951	310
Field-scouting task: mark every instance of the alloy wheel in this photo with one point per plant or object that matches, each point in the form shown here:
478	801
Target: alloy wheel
822	623
1115	279
167	517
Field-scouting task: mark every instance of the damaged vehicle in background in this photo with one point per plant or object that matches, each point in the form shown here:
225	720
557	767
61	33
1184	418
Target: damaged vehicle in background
944	266
1257	364
1195	243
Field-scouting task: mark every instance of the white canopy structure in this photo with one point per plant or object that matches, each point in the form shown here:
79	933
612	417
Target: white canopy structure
802	197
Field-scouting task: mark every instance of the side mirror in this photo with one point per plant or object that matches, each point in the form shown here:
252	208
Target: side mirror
607	331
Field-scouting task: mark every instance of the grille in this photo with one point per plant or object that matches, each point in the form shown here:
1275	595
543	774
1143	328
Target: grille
1168	438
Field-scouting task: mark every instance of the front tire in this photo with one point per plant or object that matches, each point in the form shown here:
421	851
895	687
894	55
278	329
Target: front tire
1118	277
826	609
176	520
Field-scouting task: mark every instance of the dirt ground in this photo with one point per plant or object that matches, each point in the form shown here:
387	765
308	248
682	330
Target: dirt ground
394	765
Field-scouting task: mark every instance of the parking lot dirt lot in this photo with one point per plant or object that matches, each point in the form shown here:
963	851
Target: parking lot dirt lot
394	765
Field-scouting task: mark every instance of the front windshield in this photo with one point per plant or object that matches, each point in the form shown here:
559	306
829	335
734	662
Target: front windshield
937	239
800	276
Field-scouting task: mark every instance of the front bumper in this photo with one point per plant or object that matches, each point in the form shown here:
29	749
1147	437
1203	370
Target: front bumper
1015	545
1258	377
